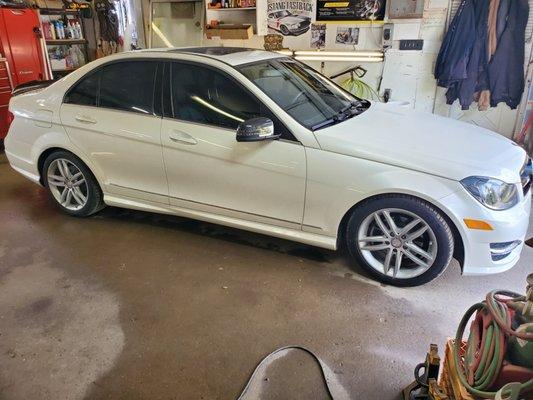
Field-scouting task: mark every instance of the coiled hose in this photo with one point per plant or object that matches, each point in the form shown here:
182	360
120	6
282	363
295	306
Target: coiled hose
495	314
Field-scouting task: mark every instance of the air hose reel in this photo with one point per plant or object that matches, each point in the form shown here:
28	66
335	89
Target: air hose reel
498	360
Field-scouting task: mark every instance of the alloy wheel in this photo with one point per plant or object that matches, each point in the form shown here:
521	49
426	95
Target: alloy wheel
67	184
397	243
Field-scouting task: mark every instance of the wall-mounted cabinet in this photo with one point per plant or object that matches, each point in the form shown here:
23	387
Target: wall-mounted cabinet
225	15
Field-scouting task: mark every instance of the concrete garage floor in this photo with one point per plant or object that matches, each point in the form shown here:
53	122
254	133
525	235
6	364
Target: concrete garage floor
132	305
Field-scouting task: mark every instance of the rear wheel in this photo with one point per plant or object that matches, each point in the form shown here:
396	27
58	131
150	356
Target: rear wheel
71	184
400	240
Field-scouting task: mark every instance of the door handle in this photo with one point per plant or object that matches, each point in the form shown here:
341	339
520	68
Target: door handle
85	120
182	137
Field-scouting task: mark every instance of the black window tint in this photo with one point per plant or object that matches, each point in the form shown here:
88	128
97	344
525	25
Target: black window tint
85	92
128	86
206	96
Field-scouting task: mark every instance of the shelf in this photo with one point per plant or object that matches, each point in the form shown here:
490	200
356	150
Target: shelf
57	11
65	41
231	9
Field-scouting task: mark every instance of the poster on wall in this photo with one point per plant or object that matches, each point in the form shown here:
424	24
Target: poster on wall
350	10
318	36
290	18
347	36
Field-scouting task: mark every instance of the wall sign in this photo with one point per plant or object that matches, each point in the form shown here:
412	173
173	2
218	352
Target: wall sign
406	8
289	18
350	10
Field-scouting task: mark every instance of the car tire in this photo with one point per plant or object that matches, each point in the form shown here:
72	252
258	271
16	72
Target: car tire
284	30
399	240
71	184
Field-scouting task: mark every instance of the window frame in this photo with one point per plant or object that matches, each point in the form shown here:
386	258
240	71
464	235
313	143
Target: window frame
167	97
156	106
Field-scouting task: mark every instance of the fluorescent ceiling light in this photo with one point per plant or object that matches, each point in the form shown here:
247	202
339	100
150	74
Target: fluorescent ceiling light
339	53
339	58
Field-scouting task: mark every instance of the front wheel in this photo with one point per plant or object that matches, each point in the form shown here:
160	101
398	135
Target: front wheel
400	240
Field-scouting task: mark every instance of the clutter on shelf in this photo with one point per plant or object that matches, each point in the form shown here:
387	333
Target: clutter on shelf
231	4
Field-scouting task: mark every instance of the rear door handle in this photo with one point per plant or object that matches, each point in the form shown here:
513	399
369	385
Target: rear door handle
85	120
181	137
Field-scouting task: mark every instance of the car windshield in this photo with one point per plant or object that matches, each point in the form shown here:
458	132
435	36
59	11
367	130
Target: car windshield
283	13
309	97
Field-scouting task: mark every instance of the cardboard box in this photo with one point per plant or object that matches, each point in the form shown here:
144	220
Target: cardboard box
229	31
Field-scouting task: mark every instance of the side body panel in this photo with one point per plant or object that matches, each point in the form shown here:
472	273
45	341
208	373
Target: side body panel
126	146
206	166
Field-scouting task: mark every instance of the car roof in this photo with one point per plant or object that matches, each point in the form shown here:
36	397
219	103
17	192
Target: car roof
229	55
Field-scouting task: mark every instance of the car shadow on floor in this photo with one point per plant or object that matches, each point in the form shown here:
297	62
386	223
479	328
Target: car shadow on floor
229	234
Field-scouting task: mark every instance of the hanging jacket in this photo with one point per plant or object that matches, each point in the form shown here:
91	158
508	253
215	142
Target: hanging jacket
476	71
506	69
452	61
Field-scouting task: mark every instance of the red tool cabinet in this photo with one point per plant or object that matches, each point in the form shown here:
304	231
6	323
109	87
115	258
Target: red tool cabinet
22	57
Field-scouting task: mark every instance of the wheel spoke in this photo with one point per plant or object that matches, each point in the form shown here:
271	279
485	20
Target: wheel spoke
66	170
69	197
417	233
386	263
381	224
63	197
414	248
407	228
390	221
415	258
78	196
375	247
374	239
56	180
397	263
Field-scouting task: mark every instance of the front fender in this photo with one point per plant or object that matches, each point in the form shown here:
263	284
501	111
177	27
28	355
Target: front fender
337	182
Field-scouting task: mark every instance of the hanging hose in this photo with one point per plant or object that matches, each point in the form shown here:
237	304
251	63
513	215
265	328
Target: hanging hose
486	345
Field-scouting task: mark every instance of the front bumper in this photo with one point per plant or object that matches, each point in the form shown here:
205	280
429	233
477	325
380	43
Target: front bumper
509	225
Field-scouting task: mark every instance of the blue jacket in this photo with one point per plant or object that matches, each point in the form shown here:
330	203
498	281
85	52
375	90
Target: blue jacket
463	66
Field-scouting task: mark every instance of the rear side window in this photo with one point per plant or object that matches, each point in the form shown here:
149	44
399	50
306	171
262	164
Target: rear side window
128	86
85	92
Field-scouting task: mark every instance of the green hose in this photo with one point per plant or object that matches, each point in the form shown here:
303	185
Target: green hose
492	354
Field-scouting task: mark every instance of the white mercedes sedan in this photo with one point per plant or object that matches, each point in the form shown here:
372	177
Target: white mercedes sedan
258	141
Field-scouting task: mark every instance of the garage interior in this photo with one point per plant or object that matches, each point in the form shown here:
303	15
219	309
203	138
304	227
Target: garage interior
128	304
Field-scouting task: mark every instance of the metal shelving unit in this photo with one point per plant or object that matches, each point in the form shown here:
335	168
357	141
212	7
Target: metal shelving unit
59	72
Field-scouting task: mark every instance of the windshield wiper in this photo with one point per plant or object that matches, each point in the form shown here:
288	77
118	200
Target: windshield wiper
340	116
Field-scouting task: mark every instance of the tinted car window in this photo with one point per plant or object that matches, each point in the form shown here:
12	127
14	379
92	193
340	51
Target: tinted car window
85	92
203	95
206	96
128	86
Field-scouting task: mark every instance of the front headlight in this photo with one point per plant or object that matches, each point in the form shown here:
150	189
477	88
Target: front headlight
492	193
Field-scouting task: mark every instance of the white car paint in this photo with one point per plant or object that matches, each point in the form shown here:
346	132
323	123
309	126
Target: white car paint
299	191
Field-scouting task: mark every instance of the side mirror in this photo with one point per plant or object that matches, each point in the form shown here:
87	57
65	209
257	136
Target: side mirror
256	129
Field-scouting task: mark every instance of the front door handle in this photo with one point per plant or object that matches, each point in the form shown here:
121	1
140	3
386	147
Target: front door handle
85	120
181	137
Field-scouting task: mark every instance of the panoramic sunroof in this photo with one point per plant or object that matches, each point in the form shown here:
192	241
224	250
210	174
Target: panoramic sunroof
214	51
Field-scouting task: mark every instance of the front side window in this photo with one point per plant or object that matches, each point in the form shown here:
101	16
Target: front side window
128	86
203	95
310	98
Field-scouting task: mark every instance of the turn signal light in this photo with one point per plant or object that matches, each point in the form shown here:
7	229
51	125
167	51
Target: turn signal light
478	224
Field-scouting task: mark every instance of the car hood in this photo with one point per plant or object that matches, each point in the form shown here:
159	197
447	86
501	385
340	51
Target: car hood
424	142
